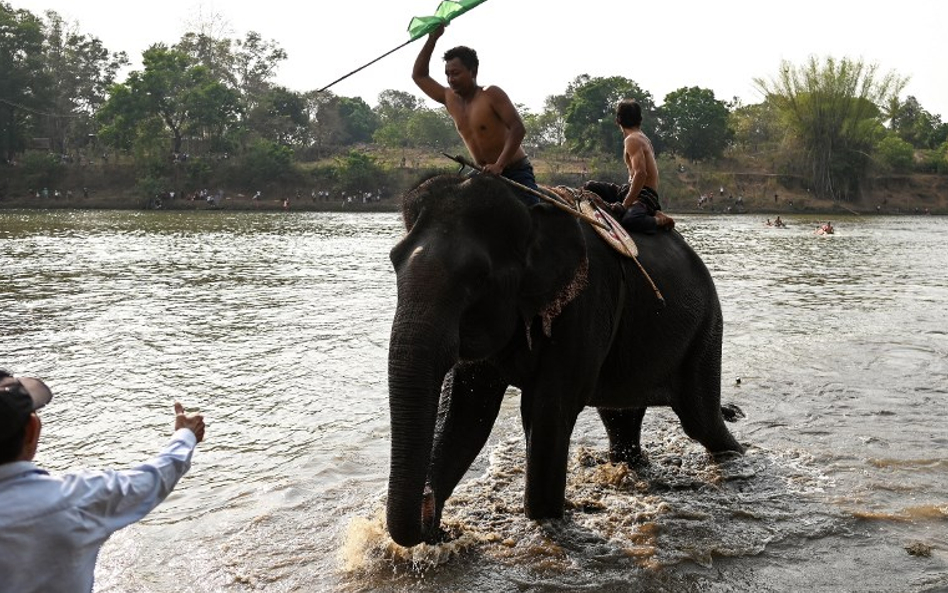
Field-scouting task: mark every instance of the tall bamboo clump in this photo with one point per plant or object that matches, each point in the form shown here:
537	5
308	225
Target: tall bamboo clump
834	111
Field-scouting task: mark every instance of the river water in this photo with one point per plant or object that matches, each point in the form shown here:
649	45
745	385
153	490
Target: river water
275	326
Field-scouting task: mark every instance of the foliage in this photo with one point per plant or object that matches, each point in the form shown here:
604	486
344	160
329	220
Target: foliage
756	126
150	186
547	130
396	106
41	169
404	122
896	154
694	124
394	111
265	162
213	97
280	116
180	94
832	111
80	71
246	65
433	129
915	125
359	122
23	79
357	170
197	171
590	116
933	161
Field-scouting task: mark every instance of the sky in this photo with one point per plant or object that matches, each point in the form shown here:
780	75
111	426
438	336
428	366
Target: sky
535	48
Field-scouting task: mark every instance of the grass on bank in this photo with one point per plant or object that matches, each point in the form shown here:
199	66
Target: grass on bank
393	171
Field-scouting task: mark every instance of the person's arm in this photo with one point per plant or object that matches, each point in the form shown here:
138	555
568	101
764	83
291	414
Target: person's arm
638	171
116	499
420	74
507	113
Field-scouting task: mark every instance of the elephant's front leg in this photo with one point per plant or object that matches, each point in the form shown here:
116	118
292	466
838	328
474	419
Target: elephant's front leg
548	423
470	402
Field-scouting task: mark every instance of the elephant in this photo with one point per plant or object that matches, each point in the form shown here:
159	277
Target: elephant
493	293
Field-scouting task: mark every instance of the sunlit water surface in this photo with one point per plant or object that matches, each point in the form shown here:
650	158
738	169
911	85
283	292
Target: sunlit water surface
276	327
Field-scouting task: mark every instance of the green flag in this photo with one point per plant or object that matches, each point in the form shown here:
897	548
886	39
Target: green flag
446	12
419	26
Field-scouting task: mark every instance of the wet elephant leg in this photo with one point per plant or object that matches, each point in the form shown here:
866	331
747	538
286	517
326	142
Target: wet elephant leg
624	428
470	402
698	403
548	425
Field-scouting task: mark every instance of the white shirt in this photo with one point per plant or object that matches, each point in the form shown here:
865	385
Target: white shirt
51	528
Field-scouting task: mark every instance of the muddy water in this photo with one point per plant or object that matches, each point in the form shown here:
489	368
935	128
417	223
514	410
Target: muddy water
276	327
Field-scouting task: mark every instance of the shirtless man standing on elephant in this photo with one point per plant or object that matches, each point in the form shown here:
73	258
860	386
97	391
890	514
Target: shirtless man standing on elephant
486	119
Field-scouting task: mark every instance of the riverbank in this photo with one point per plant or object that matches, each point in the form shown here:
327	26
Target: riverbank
892	202
726	186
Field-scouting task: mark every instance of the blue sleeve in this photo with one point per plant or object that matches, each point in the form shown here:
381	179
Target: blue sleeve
115	499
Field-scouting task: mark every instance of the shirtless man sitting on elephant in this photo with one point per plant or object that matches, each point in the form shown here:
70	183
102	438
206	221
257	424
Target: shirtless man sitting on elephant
485	117
636	203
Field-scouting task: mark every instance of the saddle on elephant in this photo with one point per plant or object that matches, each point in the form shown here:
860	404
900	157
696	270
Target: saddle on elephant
590	204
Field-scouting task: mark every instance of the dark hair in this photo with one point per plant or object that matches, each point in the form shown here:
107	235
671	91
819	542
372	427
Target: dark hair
467	56
629	113
11	447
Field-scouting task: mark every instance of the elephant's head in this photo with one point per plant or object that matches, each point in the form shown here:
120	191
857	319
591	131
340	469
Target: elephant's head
473	267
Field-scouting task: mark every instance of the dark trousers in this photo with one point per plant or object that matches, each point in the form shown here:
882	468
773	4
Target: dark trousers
640	216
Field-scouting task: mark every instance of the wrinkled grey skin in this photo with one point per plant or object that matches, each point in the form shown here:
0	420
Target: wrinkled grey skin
477	273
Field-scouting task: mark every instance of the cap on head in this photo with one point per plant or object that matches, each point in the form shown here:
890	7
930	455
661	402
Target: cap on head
19	397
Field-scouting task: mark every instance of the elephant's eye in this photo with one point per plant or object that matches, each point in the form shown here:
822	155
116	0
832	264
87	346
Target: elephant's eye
474	274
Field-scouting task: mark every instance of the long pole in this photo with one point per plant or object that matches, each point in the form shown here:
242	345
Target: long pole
365	66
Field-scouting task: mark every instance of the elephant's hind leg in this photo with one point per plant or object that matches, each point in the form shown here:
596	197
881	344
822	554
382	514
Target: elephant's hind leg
701	417
624	428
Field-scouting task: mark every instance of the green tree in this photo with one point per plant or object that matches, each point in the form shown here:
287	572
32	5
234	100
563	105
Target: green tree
23	81
265	162
896	154
832	109
694	124
433	129
590	117
255	64
396	106
326	125
756	127
183	96
914	124
280	116
547	129
245	65
359	121
356	171
394	110
80	71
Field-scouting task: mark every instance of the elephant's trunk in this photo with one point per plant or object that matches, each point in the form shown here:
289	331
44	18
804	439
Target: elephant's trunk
423	348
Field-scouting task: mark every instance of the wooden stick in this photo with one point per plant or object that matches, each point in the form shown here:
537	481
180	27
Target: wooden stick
530	190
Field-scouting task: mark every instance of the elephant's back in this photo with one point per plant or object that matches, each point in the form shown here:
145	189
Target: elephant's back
671	287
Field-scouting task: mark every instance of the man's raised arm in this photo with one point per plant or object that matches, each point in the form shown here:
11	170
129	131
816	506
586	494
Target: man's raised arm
420	74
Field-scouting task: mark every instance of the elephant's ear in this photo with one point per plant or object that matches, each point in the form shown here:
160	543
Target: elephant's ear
556	264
